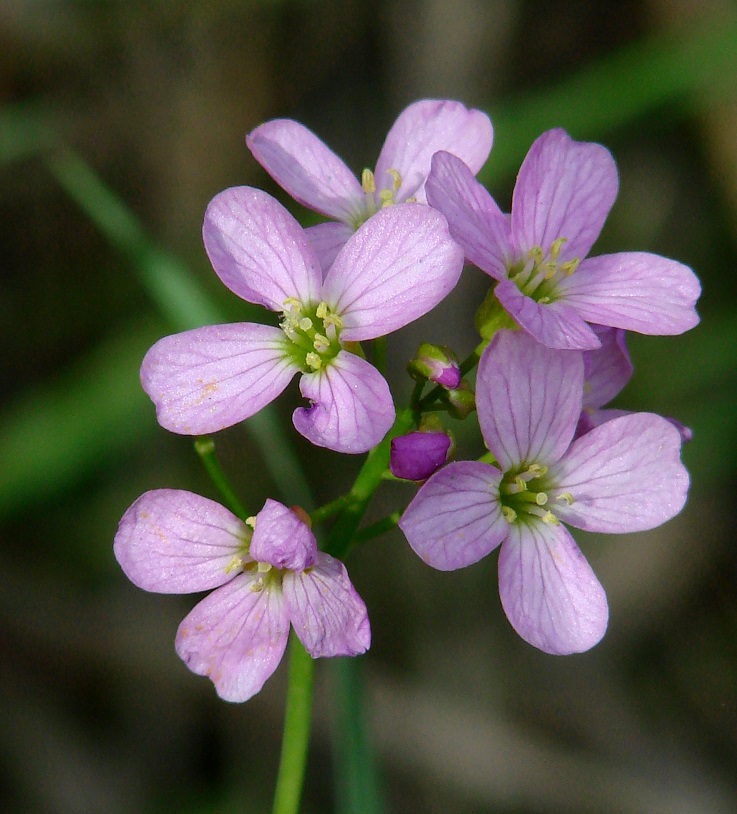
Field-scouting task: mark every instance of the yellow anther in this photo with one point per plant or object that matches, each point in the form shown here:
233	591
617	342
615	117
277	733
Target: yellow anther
541	498
569	266
535	254
566	497
396	179
263	567
387	197
257	586
510	515
305	323
322	310
520	483
368	184
235	562
556	246
320	343
537	470
290	303
333	319
251	521
313	361
550	519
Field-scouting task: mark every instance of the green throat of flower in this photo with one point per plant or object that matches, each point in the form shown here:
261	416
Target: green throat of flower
538	275
312	333
524	495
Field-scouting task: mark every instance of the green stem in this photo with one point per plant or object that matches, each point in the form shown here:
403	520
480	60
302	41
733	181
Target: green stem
296	735
378	528
205	448
329	509
340	538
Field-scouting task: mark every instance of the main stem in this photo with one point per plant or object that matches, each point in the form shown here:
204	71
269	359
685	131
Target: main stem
296	735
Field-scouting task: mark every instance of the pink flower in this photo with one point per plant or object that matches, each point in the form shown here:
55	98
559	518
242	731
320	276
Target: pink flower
171	541
538	255
624	475
416	455
314	175
390	273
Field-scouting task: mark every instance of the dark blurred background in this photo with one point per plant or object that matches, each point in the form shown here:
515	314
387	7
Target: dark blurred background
119	121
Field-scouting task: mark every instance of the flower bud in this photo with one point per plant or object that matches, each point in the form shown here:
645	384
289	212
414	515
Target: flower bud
460	402
436	363
417	455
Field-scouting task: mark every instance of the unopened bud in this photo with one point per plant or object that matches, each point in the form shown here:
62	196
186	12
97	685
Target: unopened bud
436	364
417	455
460	402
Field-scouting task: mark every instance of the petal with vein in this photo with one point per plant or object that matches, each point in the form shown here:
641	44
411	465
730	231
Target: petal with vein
476	223
282	539
328	616
175	542
455	518
236	636
209	378
624	475
528	399
259	250
352	407
306	168
565	188
398	266
551	596
421	130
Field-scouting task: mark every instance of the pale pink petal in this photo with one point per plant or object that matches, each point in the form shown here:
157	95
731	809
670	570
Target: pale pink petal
210	378
259	250
607	369
624	475
422	129
551	596
327	239
528	399
352	407
555	325
175	542
565	188
281	539
328	616
636	291
476	223
306	168
455	519
398	266
236	636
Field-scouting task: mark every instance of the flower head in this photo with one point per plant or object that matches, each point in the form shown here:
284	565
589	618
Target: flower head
265	577
538	255
622	476
316	177
387	275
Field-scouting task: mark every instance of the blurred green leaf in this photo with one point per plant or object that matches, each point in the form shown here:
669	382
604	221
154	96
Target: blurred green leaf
689	69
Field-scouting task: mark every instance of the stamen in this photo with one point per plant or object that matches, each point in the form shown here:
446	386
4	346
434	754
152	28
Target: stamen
313	360
510	515
556	246
321	343
322	310
396	179
305	323
569	266
550	519
263	567
257	586
566	497
387	197
251	521
235	563
368	183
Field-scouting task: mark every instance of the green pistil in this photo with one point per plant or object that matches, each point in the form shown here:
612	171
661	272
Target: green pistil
312	332
525	493
539	274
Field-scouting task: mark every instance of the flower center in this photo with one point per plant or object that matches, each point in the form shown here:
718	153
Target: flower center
375	200
538	275
525	494
312	332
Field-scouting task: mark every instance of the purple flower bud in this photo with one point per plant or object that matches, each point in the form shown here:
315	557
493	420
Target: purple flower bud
436	363
417	455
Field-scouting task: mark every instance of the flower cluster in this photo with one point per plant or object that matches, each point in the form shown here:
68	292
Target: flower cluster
552	356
